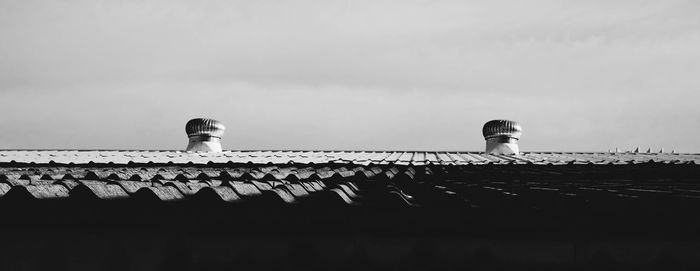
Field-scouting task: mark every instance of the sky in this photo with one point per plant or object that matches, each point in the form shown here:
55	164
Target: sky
350	75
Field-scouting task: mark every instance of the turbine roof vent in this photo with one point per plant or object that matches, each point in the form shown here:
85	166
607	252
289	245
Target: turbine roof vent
502	128
204	134
205	127
502	136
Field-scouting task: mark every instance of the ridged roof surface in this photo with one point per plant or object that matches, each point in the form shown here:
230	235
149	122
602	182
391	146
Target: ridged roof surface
341	214
353	210
364	178
354	157
433	185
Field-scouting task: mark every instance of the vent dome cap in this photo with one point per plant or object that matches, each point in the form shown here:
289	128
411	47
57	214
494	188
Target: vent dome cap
204	127
502	128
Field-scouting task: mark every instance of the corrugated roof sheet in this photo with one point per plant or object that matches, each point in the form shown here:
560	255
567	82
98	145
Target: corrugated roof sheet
323	157
453	196
345	177
423	185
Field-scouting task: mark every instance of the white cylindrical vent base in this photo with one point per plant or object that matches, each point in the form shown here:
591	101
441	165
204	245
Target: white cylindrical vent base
199	144
498	145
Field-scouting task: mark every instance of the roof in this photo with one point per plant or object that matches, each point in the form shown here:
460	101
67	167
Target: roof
346	178
322	157
421	210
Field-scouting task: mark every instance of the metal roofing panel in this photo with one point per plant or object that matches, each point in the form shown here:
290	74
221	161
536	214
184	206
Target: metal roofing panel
225	193
405	157
471	157
443	157
363	157
349	156
164	193
321	157
457	158
431	157
300	183
51	191
106	191
393	157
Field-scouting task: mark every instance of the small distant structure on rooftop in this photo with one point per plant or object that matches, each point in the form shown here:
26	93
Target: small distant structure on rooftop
502	136
204	135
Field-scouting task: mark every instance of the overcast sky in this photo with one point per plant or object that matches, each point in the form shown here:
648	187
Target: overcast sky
399	75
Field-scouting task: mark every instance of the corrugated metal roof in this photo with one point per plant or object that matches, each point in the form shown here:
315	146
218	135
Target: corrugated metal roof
323	157
421	185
